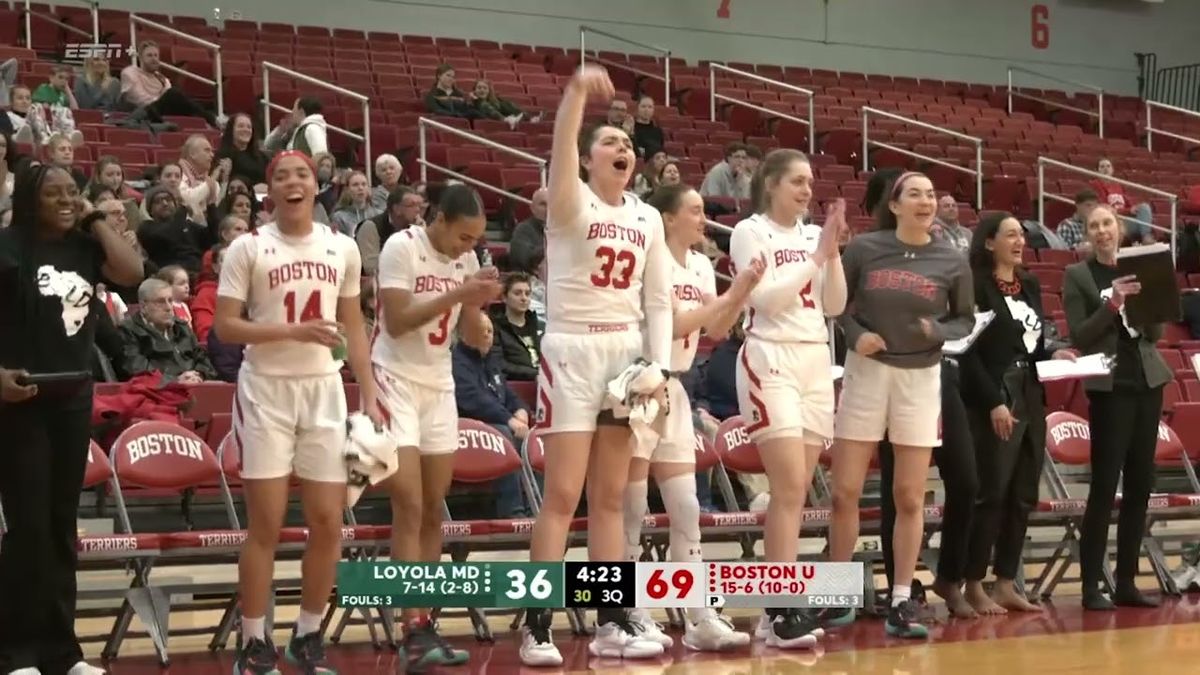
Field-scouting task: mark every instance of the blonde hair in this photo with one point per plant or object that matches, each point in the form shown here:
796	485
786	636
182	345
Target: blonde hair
90	77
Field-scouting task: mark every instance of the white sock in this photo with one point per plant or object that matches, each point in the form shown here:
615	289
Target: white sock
308	623
900	594
254	628
636	506
683	508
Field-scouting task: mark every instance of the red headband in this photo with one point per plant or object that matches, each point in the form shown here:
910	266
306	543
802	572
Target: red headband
896	187
289	153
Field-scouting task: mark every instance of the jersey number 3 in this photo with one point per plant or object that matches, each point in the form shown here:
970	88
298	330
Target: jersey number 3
438	336
311	310
609	259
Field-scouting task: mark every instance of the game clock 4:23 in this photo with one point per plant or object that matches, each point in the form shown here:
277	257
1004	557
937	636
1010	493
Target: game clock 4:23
609	584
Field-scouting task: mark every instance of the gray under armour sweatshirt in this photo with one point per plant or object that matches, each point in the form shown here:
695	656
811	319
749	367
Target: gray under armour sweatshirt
892	286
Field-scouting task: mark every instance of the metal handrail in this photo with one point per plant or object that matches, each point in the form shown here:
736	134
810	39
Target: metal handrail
665	78
713	97
1058	104
29	14
213	47
423	158
365	136
95	7
1043	162
977	172
1150	130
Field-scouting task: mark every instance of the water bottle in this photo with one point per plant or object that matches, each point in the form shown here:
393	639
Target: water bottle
485	258
340	352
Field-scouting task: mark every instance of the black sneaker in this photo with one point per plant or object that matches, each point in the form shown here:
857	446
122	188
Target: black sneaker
423	647
902	621
792	629
836	617
256	657
308	654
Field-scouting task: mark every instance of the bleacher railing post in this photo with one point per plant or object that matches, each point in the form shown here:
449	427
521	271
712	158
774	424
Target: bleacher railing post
95	22
1010	91
865	142
422	149
369	158
1100	100
712	94
1151	130
1041	168
979	175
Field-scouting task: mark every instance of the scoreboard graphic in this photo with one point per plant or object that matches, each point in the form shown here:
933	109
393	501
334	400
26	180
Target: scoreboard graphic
595	585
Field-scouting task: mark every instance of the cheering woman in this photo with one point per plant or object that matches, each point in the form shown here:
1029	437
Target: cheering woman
51	259
1006	406
908	294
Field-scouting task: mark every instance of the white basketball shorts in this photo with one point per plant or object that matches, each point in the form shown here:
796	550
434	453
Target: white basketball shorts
785	390
677	434
288	425
574	371
418	416
878	399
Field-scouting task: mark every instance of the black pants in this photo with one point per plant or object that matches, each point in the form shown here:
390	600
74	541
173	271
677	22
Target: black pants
1009	475
1124	430
955	461
175	102
43	455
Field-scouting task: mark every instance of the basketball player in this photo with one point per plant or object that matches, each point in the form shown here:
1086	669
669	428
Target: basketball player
608	270
909	294
696	306
281	289
429	283
784	373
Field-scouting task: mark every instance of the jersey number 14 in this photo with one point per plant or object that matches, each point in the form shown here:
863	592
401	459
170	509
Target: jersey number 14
311	310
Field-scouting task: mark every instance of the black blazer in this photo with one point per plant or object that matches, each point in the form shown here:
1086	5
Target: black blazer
1001	343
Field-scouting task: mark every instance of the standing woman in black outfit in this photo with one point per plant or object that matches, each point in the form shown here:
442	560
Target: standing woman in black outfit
50	261
1123	410
1006	408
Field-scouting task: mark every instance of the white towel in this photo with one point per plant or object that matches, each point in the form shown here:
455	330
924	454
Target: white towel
631	395
370	456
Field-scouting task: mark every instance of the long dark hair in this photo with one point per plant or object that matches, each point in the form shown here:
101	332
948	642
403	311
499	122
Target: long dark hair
254	147
26	198
983	261
884	218
879	187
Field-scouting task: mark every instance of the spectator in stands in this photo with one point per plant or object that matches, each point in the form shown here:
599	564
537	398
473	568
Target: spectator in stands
170	176
202	183
239	205
56	92
483	394
156	340
114	306
229	228
669	174
1006	411
50	261
488	105
169	236
403	211
60	152
145	89
95	87
445	98
647	135
305	129
516	329
226	357
117	215
181	291
329	183
728	178
1073	230
389	171
1124	410
528	244
8	78
242	146
354	206
619	117
646	180
108	173
1137	217
946	224
8	152
17	123
203	305
94	193
368	304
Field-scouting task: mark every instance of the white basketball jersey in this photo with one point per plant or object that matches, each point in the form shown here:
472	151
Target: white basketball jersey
692	284
595	261
285	279
409	262
803	320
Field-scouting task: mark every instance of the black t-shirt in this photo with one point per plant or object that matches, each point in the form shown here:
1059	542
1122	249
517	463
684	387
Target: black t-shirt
1128	372
48	323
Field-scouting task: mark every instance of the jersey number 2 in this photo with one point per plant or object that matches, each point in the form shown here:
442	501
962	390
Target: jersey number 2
804	296
311	310
609	259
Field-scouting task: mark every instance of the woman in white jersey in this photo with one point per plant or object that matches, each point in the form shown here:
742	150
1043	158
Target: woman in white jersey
429	283
784	373
697	306
281	290
608	270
